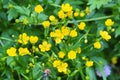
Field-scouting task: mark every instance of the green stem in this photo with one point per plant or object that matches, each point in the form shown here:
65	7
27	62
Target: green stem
88	46
93	19
81	72
19	76
1	43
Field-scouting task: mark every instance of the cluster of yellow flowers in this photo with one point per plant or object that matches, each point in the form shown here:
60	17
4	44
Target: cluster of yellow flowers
24	38
67	11
59	34
61	66
105	35
13	51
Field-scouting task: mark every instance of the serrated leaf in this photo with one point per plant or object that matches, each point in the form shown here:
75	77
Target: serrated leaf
97	3
117	32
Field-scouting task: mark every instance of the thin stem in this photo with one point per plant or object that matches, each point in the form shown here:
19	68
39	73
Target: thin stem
1	43
93	19
6	39
19	76
85	20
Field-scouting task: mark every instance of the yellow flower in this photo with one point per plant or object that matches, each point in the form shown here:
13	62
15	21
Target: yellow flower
81	26
89	63
38	9
61	14
76	14
52	18
87	11
97	45
46	24
23	38
11	51
109	22
65	30
71	54
114	60
23	51
73	33
33	39
66	7
62	67
52	34
70	14
25	21
59	34
56	63
78	50
45	46
57	40
82	14
105	35
61	54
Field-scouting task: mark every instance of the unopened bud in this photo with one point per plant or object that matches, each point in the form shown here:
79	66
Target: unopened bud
85	41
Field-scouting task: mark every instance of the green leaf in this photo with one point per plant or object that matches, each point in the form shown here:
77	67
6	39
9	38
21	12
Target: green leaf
97	3
74	73
117	32
57	1
22	10
12	14
42	17
10	61
91	73
36	72
99	60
